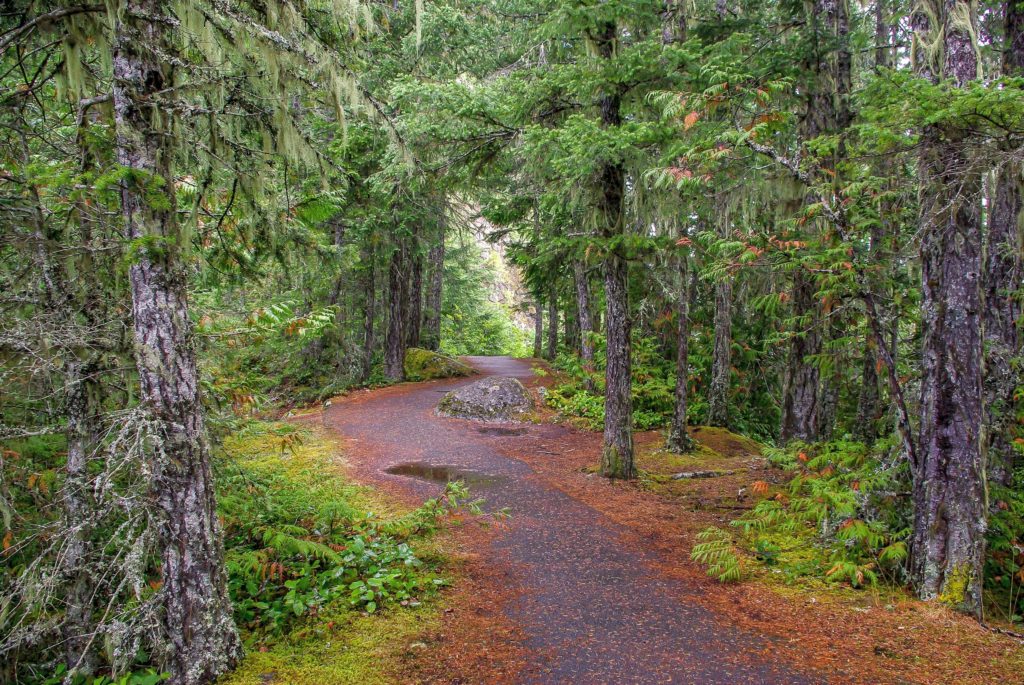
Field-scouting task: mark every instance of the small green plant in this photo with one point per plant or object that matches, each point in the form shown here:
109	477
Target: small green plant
717	552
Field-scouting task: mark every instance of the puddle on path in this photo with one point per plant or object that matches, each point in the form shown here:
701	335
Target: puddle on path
498	430
444	473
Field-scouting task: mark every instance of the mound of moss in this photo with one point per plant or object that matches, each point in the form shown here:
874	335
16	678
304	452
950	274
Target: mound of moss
423	365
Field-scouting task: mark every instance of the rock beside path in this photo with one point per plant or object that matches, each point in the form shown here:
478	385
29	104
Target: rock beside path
424	365
489	399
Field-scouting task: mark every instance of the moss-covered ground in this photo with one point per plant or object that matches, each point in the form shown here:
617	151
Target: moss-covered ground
294	477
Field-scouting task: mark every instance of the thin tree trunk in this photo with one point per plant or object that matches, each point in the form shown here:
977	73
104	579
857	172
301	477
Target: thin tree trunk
369	314
394	339
432	324
721	359
828	394
200	639
617	459
1003	277
949	481
552	325
586	319
415	302
538	328
679	440
869	397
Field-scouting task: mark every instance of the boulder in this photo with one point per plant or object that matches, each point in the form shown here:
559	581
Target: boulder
423	365
494	398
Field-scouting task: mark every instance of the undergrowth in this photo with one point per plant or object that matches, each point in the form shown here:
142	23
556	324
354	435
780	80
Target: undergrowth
299	538
845	516
580	392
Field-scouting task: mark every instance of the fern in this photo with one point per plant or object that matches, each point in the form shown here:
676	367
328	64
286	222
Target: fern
717	553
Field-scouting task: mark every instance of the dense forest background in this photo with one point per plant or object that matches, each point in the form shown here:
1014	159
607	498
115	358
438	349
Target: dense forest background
797	220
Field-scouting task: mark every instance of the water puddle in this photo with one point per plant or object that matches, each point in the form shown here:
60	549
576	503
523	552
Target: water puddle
444	473
498	430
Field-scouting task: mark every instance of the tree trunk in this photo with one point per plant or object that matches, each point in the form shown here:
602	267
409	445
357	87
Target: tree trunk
81	400
552	324
678	439
828	393
369	314
415	301
949	480
800	397
800	407
869	398
721	361
200	640
394	339
673	22
617	452
1003	276
432	323
586	319
538	328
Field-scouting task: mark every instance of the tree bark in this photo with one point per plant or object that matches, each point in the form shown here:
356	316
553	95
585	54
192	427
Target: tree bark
721	365
200	639
538	328
586	319
679	440
869	398
369	313
800	396
552	325
415	302
1003	277
435	258
949	481
394	339
617	459
800	407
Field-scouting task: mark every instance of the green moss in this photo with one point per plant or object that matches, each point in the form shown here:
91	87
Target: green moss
954	590
341	650
423	365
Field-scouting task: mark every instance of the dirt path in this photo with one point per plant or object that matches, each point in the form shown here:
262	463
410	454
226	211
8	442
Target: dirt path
586	592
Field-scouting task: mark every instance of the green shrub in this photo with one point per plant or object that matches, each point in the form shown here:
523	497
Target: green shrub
299	537
843	516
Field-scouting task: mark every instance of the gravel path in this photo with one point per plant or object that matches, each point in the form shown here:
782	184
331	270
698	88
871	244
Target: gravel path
591	607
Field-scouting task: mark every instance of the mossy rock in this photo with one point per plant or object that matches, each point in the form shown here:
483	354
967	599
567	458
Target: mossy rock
423	365
489	399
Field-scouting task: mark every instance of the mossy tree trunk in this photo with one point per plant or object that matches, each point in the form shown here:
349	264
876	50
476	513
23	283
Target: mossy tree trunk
949	490
200	638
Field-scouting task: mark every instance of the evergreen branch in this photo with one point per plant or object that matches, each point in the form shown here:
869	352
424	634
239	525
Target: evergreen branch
43	19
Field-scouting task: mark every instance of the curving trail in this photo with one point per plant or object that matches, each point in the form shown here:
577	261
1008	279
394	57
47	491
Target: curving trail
589	601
